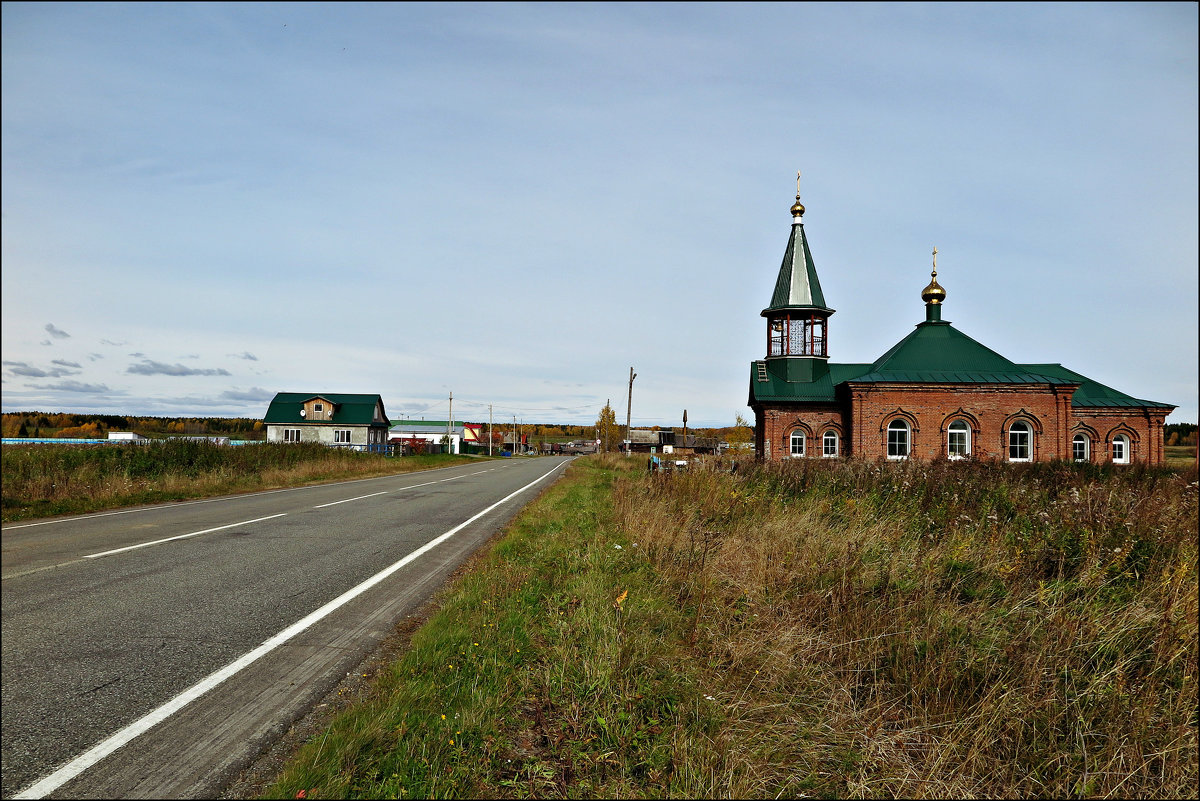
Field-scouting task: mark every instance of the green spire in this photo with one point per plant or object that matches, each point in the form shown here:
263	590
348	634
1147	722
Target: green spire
797	286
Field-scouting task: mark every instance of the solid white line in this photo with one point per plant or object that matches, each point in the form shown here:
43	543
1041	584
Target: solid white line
180	537
359	498
79	764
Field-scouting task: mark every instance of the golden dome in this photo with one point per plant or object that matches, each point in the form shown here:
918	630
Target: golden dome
934	293
798	208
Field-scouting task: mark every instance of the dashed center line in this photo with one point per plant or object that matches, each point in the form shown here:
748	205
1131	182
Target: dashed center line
180	537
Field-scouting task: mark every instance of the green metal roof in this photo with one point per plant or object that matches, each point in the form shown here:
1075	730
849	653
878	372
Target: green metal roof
797	286
937	352
1093	394
823	390
347	409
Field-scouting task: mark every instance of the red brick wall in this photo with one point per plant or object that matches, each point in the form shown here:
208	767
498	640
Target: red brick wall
1143	428
861	422
775	424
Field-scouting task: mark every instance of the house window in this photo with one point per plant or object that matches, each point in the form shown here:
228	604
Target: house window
341	436
797	444
1081	448
829	445
1020	442
1120	449
897	440
291	435
317	407
958	440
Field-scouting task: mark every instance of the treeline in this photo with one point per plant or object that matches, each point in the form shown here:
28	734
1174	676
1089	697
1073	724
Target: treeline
1179	434
97	426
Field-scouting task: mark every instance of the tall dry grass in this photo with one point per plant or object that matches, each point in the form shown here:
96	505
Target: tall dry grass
43	480
936	629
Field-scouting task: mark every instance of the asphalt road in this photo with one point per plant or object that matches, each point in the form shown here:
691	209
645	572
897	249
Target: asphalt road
175	642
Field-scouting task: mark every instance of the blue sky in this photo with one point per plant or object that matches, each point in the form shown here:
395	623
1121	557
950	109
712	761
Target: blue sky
206	204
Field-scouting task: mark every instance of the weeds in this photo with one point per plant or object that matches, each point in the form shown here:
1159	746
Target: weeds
806	629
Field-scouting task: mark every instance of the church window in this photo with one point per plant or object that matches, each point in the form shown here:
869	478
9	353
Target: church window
958	440
797	442
897	440
1120	449
1020	442
829	445
1081	448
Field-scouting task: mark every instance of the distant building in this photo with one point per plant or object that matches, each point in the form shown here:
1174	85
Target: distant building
339	419
125	436
937	393
431	431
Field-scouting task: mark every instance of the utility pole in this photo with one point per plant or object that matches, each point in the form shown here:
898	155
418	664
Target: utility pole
628	411
685	428
450	422
489	429
514	447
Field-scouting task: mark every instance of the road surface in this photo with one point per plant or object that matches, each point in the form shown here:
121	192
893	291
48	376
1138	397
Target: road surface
154	652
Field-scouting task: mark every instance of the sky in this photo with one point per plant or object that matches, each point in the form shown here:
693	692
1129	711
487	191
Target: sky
206	204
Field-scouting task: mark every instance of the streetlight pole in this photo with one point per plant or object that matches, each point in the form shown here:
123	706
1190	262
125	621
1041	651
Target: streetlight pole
628	412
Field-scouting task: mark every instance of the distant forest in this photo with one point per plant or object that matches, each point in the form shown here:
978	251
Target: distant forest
1179	434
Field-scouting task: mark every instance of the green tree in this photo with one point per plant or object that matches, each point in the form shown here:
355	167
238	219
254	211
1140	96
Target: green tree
606	426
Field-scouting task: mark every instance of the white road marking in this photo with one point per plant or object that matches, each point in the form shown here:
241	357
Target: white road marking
180	537
359	498
79	764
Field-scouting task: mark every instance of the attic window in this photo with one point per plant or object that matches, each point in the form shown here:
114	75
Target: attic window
318	407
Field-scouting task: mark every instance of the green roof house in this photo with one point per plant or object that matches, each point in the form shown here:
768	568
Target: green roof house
937	393
338	419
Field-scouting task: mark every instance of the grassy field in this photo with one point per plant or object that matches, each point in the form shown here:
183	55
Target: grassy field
42	480
805	629
1180	455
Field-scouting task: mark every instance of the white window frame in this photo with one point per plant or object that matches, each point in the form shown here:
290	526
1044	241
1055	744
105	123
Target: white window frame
795	437
1086	441
1018	443
961	427
1120	449
291	435
901	442
827	438
341	436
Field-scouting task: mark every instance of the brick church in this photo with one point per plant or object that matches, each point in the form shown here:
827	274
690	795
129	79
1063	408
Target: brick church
936	393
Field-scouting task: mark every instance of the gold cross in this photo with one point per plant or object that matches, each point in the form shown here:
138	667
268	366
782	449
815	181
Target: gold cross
935	259
797	184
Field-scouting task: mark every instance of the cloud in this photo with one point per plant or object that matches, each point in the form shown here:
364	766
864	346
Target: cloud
95	356
76	386
21	368
148	367
247	355
65	363
57	333
46	342
115	344
252	394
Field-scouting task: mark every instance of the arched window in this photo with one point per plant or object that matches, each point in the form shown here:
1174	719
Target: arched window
1020	442
958	440
797	441
897	440
829	444
1120	449
1081	448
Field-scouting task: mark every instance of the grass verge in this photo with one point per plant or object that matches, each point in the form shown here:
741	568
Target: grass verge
806	629
44	480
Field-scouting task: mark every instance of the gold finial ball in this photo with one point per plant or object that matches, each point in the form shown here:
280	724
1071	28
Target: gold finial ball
798	208
934	293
